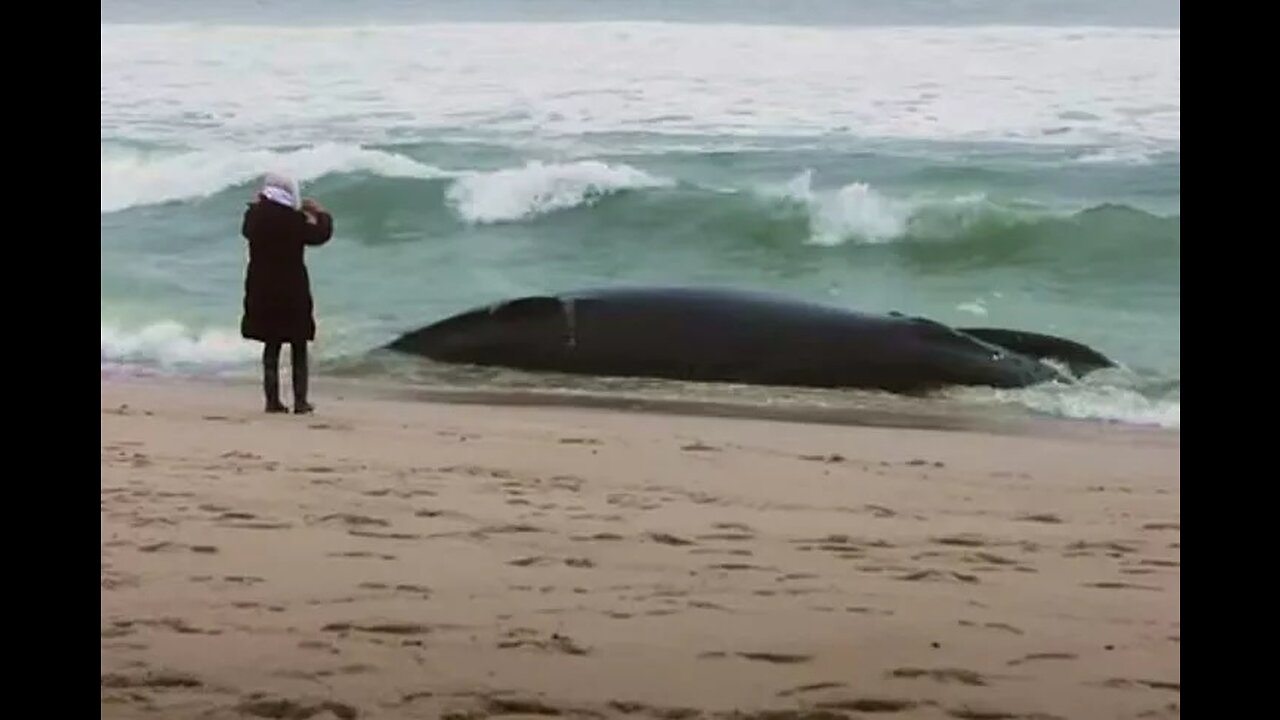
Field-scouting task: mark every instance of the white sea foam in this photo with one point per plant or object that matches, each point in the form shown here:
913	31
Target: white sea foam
973	307
171	344
1103	87
133	177
857	212
1090	400
1099	402
537	188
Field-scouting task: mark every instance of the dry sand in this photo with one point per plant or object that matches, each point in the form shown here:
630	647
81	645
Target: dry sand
396	559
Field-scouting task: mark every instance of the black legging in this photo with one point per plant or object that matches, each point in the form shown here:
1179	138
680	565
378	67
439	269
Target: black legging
271	371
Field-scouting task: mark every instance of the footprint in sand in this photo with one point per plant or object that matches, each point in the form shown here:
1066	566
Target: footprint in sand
1153	684
167	547
870	705
810	688
1043	656
597	537
628	707
508	529
831	458
1111	549
161	679
385	628
864	610
632	502
839	543
668	539
942	675
530	638
775	658
120	628
258	525
383	535
544	561
501	706
243	579
939	576
478	471
362	554
571	483
972	713
999	626
730	536
177	625
1111	585
320	646
1048	518
987	561
734	566
350	520
330	426
419	590
287	708
963	540
354	668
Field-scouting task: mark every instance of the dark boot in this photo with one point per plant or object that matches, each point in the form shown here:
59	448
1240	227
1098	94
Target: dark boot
271	378
298	358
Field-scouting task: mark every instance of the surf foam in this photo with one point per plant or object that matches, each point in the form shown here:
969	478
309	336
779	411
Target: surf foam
857	212
1110	87
133	177
1087	401
171	344
538	188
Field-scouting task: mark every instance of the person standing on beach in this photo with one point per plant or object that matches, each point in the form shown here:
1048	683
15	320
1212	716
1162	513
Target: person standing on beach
279	225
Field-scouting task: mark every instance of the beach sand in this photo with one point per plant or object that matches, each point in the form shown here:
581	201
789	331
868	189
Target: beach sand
400	559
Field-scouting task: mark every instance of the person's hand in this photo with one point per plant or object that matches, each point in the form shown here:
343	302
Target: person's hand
310	205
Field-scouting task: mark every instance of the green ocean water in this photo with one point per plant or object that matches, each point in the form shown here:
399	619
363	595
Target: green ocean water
1021	175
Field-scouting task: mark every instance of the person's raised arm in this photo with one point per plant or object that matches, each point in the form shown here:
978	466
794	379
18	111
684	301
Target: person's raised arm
319	223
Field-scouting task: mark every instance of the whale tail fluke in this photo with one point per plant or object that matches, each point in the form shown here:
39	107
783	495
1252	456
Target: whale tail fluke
1080	358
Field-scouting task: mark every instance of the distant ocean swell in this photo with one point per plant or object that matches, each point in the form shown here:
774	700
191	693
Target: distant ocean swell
790	210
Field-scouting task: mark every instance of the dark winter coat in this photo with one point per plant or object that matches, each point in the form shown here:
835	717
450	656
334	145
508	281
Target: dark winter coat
277	289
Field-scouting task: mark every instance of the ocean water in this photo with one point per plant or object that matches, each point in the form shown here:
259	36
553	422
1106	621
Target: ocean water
968	161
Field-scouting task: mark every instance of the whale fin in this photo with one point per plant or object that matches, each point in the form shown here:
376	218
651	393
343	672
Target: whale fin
525	307
1080	358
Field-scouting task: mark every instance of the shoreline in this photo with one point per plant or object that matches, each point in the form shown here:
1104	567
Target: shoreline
870	410
393	557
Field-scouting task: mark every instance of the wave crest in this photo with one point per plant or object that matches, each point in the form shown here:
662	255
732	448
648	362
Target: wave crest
132	177
171	344
859	213
539	188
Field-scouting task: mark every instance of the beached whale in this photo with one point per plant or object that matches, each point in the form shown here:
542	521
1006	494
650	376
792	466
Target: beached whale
722	335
